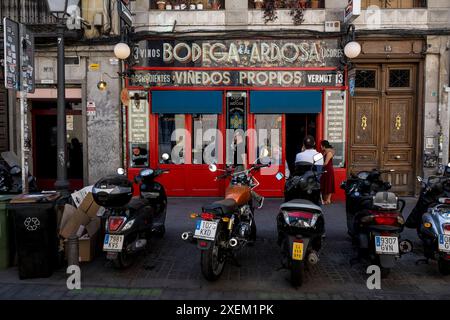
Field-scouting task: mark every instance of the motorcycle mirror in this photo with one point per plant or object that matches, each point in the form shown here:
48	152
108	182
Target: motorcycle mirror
212	167
165	156
121	171
317	157
15	170
279	176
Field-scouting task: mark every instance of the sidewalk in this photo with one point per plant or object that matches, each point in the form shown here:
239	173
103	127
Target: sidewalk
172	269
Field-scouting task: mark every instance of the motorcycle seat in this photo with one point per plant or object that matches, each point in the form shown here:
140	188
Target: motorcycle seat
226	206
300	204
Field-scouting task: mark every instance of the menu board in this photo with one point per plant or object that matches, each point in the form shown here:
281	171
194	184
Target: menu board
335	124
11	48
138	129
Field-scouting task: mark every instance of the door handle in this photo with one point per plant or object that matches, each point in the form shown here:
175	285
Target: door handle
397	157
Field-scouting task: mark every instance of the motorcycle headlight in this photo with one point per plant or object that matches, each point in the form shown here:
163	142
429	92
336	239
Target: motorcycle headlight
128	225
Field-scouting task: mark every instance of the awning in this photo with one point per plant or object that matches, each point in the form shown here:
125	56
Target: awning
286	101
187	102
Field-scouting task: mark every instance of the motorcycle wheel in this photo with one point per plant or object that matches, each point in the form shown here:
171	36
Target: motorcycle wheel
444	267
124	260
212	262
297	272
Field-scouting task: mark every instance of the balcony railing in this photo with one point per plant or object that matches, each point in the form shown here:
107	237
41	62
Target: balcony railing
287	4
187	5
30	12
394	4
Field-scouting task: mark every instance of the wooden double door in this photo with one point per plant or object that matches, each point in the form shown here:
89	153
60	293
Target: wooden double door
383	123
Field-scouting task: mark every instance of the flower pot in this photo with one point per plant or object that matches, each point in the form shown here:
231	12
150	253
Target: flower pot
199	6
315	4
161	5
259	4
303	3
215	6
183	6
192	7
176	7
168	7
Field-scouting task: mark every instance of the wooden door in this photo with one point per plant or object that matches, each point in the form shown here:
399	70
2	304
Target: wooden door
383	123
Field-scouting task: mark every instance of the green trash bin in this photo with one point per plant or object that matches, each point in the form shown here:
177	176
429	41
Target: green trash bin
4	230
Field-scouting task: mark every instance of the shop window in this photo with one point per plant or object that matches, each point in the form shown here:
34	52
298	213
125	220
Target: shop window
184	5
365	79
204	139
287	4
268	135
138	129
172	137
399	78
394	4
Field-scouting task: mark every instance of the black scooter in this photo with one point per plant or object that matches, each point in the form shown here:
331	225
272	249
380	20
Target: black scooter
131	222
375	220
300	222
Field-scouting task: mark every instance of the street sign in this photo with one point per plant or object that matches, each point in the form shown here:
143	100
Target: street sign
27	59
352	11
124	13
11	51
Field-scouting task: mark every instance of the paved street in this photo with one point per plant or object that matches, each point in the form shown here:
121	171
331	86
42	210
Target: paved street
172	269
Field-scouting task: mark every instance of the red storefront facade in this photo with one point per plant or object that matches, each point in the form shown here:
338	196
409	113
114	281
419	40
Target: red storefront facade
276	91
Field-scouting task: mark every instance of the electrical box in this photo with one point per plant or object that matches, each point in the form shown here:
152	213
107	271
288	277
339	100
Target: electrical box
332	26
98	20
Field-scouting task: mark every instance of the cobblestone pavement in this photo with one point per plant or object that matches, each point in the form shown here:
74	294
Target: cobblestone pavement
171	270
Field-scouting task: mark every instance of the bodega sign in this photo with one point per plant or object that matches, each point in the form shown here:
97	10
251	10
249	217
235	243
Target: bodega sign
237	78
238	53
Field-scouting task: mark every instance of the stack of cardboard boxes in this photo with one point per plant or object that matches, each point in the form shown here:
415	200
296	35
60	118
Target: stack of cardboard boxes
82	220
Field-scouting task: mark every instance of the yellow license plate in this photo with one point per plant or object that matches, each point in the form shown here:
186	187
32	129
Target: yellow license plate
297	251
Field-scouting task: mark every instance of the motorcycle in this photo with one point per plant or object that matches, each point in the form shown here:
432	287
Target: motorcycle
375	220
131	221
226	225
300	222
433	212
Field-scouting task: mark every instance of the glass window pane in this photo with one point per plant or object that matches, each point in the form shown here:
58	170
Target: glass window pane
204	139
399	78
138	129
268	131
365	79
172	137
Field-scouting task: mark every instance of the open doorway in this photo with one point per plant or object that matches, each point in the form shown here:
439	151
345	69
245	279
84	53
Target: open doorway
297	127
44	144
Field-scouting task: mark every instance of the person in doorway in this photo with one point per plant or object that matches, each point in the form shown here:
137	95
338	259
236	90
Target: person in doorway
327	178
308	153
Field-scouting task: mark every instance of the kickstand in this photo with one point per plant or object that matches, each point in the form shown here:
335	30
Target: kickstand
422	261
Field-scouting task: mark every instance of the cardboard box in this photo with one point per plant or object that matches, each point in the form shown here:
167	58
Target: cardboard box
86	247
93	226
79	195
89	206
72	227
68	213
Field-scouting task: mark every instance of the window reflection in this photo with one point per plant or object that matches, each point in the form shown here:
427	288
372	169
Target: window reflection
268	130
204	139
172	137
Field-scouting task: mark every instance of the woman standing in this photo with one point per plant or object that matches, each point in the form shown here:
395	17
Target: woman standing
327	178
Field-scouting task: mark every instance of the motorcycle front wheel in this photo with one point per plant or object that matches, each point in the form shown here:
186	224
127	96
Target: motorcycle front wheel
212	261
444	267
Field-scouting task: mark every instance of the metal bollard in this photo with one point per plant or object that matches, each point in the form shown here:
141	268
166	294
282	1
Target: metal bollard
72	251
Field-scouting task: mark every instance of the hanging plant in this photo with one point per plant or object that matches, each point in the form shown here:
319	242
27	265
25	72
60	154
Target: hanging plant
297	7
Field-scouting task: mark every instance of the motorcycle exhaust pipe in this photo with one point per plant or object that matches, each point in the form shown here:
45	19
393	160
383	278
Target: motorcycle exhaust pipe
186	236
313	258
233	242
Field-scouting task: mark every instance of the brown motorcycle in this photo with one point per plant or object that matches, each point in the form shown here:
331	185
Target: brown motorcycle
226	225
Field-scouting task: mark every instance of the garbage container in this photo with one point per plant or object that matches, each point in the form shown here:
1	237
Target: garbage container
36	235
4	232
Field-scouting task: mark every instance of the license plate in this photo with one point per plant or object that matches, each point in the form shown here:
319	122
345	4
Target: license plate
205	230
444	243
297	250
386	245
113	242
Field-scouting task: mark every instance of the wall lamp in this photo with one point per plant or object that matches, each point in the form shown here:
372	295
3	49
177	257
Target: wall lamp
352	49
102	84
